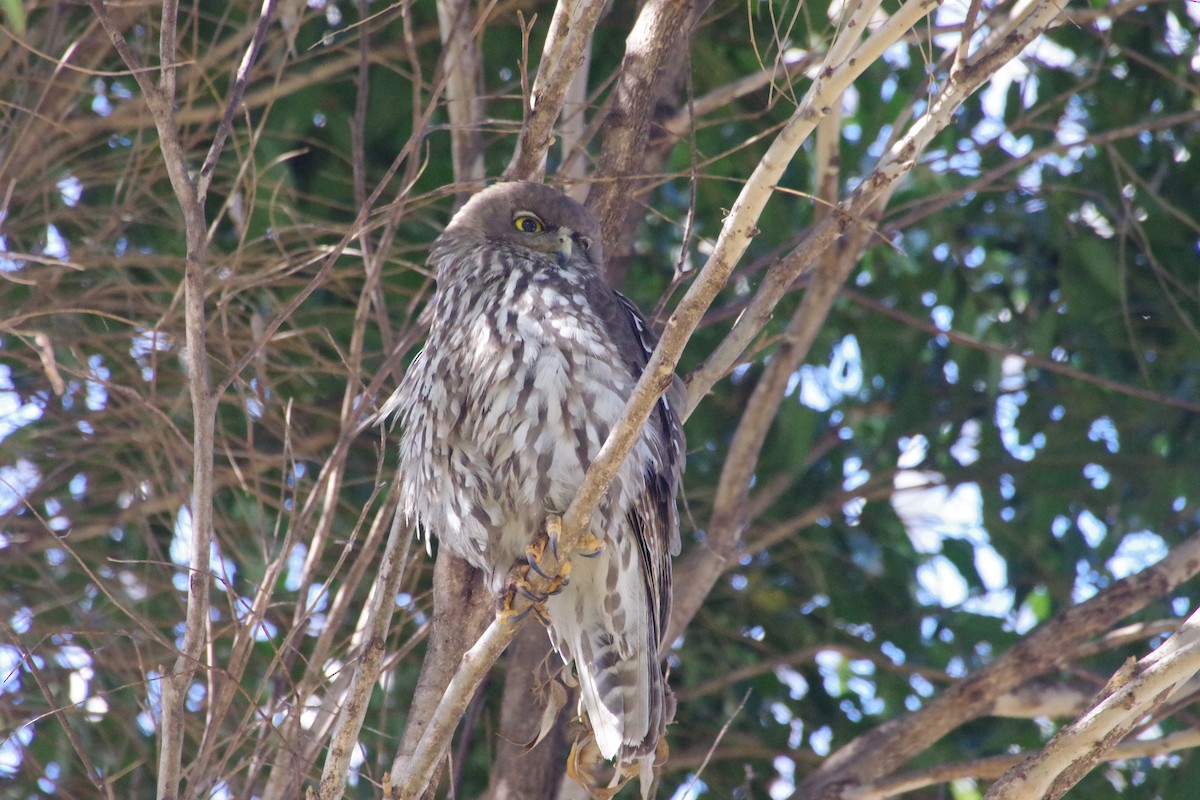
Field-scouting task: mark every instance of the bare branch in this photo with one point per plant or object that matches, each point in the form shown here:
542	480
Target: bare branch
563	55
1048	647
789	64
234	101
734	238
730	506
995	766
462	608
366	673
572	139
739	228
661	29
526	765
1134	691
412	773
175	686
896	163
1033	360
461	66
32	663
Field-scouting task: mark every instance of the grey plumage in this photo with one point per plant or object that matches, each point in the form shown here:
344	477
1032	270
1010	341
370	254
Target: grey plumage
528	365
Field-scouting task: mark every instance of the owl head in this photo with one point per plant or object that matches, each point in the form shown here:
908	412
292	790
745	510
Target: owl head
531	219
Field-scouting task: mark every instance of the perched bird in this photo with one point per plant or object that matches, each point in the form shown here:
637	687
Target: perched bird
528	365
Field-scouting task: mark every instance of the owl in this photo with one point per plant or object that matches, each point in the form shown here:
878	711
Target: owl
529	362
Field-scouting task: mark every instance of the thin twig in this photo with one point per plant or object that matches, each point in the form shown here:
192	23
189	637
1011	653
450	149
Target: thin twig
31	664
570	32
716	743
354	706
234	101
1035	361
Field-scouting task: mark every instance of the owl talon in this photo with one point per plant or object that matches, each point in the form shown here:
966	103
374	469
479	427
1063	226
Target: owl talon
519	616
517	585
553	531
533	563
529	594
539	611
535	551
591	546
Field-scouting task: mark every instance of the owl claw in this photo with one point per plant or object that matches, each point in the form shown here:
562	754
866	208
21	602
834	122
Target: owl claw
535	552
538	612
521	583
591	546
536	600
544	574
518	586
529	594
553	531
519	616
533	563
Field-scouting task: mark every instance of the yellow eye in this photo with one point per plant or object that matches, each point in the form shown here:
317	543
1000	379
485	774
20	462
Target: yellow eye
527	223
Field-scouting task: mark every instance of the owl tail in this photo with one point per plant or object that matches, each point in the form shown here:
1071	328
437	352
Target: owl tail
621	694
621	684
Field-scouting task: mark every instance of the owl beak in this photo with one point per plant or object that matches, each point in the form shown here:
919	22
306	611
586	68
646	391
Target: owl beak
566	245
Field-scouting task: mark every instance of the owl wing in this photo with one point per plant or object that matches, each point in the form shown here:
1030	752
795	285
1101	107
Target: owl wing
654	516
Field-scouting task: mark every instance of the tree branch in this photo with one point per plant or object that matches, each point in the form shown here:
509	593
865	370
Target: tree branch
731	244
460	64
1035	361
234	101
175	685
661	29
896	163
995	766
370	660
462	608
562	55
1049	646
1135	690
730	505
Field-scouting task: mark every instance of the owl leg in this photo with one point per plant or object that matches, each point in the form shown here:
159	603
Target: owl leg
544	572
538	578
587	767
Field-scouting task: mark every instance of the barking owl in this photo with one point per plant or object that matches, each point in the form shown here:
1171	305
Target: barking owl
528	366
